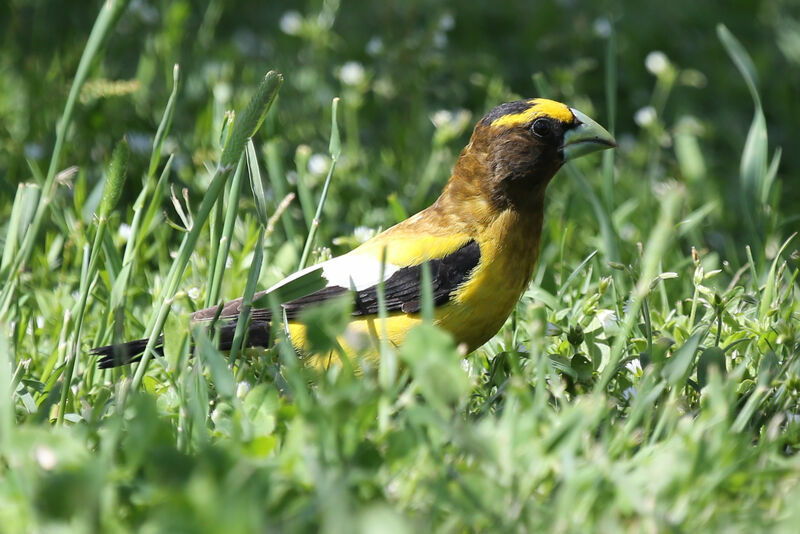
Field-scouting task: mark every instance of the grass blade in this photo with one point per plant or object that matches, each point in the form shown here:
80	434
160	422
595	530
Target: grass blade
335	150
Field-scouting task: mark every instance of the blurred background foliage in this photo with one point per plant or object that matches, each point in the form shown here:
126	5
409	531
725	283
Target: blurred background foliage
401	68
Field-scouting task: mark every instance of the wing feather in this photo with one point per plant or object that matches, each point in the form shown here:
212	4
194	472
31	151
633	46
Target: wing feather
360	274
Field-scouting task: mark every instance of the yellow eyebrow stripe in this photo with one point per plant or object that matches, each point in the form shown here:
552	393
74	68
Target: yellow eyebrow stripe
539	107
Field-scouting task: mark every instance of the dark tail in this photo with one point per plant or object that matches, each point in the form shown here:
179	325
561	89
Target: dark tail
131	351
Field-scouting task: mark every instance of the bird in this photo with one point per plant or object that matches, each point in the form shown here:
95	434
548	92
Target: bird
480	240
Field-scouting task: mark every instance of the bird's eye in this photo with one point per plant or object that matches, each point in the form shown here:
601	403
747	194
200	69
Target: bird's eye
541	127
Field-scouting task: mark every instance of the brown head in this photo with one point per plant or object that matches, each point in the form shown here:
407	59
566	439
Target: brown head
515	151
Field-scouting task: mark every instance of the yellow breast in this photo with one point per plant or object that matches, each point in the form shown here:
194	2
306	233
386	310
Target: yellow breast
509	251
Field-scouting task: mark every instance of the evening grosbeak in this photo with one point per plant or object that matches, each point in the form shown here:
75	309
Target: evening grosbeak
480	239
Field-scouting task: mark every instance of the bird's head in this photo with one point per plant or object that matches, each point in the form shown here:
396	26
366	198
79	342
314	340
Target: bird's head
517	148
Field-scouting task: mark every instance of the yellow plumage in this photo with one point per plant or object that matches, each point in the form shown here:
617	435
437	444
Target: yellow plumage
478	308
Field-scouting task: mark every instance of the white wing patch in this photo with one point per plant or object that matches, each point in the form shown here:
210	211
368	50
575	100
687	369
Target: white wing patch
353	271
350	271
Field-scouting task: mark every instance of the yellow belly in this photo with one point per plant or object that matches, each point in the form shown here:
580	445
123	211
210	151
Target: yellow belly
472	319
361	338
481	306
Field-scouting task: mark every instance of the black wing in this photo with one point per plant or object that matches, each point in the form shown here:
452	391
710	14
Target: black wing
402	289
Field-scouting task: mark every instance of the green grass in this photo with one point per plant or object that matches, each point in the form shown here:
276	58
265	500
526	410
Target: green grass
647	381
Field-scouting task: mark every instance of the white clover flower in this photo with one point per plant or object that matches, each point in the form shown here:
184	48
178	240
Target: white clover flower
375	46
442	117
318	164
352	73
447	22
607	318
291	22
602	27
384	87
125	231
222	92
634	366
140	142
45	457
689	124
656	62
194	293
242	388
645	116
363	233
34	151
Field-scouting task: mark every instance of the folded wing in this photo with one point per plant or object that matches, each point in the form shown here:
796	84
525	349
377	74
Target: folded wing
361	275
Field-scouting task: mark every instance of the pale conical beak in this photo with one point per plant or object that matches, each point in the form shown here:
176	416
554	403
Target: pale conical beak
585	138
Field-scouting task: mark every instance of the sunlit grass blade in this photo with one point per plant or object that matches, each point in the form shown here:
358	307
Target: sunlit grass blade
575	272
256	185
217	267
611	113
387	372
21	214
301	158
335	151
243	320
164	125
6	392
770	285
